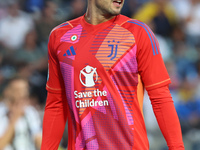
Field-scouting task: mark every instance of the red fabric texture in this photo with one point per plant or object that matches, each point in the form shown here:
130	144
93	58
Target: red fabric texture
54	121
166	116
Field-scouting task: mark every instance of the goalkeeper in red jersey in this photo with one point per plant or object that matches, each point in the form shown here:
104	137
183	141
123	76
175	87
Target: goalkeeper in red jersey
99	66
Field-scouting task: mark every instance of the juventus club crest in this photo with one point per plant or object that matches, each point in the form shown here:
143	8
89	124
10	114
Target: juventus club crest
88	76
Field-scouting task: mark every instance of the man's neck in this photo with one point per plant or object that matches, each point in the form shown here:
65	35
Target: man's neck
94	17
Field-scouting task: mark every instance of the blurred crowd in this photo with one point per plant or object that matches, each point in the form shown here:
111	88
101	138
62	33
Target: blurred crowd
24	30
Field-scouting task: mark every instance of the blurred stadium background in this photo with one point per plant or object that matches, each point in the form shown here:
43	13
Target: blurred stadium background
25	26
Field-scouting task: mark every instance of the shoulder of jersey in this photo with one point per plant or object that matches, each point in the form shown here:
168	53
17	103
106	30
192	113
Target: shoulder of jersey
122	20
130	23
67	25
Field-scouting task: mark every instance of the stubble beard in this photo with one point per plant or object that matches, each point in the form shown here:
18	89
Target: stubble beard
108	12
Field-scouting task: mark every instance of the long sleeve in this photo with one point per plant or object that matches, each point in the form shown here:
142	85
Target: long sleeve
166	116
55	115
54	121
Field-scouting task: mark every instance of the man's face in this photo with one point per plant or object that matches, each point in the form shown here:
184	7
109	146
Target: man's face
109	7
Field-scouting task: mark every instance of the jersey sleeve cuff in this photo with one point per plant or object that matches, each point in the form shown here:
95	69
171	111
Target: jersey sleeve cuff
54	90
158	84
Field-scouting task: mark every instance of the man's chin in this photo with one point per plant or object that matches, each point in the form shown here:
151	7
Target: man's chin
114	13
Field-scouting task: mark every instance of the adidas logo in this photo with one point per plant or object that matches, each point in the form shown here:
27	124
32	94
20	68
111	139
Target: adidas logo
70	52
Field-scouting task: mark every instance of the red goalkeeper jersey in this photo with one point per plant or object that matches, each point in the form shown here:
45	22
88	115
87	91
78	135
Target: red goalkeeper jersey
103	70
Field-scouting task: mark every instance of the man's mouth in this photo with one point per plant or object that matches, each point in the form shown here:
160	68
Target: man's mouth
117	2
